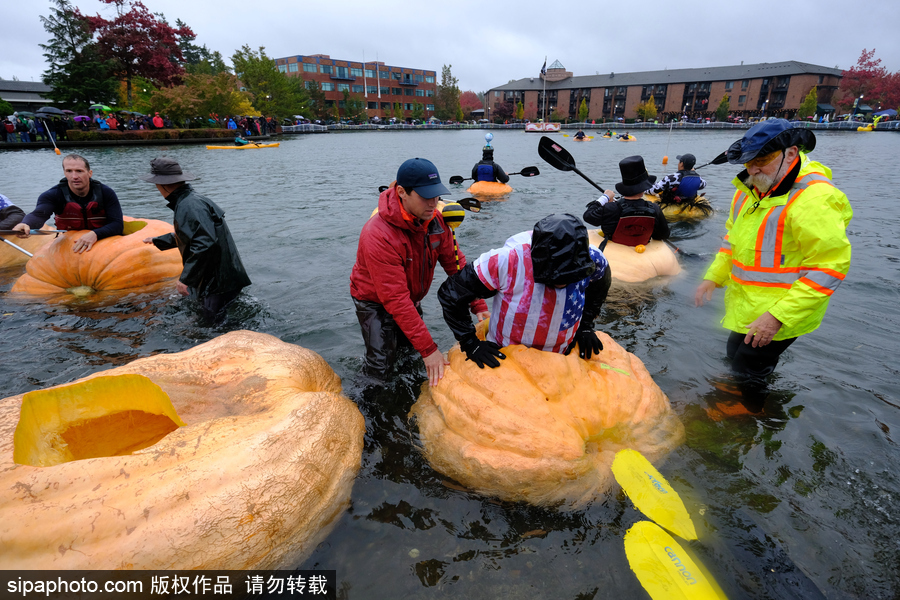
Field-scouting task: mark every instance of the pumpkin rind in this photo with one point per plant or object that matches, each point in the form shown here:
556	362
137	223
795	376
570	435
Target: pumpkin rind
629	266
543	427
263	468
115	263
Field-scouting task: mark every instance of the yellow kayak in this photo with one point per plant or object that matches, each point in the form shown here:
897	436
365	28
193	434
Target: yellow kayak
630	138
489	188
250	145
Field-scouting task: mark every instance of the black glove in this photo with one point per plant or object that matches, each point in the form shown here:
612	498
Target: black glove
588	343
481	352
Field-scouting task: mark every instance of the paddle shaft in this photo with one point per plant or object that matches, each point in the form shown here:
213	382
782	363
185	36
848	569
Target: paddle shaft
19	248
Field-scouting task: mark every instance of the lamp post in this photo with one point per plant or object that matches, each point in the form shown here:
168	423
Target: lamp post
685	110
765	104
855	104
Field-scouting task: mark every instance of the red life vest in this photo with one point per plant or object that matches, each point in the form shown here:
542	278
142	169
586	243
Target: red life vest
76	216
633	231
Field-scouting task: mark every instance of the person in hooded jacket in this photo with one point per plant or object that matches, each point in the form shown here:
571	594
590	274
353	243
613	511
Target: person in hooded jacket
213	272
487	170
547	285
79	202
785	251
399	248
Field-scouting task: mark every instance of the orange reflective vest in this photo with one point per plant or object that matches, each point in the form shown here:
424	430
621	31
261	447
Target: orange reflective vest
785	255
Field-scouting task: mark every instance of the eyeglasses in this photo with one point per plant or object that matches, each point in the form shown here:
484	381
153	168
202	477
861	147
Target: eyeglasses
761	161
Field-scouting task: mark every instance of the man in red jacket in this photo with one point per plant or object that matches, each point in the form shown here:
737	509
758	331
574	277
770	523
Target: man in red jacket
398	250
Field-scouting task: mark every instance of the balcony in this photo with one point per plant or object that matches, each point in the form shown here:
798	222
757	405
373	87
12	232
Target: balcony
342	77
408	82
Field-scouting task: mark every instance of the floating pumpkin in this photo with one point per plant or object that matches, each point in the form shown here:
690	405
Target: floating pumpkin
543	427
245	464
489	189
630	265
688	210
116	263
10	257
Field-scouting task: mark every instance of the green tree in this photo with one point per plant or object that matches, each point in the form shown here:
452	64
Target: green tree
317	105
398	111
418	111
142	91
520	111
722	111
274	93
583	111
354	107
200	96
809	106
555	116
6	108
446	100
77	73
459	113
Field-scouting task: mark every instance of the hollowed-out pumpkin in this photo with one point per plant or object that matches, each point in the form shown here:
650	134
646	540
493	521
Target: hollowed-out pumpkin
543	427
240	454
691	210
116	263
489	189
630	266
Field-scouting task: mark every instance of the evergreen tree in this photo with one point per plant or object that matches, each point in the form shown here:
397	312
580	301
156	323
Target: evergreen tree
77	73
722	110
398	111
810	104
447	98
583	111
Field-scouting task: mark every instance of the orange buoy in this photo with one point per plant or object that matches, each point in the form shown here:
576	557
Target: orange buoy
665	160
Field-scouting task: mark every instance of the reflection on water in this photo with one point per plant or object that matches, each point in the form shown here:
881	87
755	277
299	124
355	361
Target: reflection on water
801	498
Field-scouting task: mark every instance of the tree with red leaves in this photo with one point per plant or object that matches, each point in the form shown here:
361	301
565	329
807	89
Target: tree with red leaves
469	101
862	79
140	44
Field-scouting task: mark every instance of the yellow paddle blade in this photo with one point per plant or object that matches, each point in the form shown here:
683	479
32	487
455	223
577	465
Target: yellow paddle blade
651	493
112	415
664	568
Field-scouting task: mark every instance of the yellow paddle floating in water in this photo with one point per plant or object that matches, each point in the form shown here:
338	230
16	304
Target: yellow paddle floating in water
664	568
651	493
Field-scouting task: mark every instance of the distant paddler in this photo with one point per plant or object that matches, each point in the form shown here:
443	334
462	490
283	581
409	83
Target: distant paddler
678	192
79	202
486	169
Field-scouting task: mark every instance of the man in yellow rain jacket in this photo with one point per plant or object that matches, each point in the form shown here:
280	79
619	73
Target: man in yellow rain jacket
784	254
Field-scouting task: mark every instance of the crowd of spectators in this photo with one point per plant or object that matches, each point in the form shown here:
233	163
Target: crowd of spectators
21	128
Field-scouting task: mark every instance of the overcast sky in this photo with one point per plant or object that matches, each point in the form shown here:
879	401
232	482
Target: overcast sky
489	43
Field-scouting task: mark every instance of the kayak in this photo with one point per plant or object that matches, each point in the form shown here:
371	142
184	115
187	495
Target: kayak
630	138
245	147
584	139
630	265
489	188
697	208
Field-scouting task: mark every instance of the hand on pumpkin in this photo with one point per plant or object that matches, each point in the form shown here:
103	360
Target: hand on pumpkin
481	352
85	242
588	343
434	366
23	230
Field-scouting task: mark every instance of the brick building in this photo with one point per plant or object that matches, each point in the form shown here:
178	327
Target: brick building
776	89
380	85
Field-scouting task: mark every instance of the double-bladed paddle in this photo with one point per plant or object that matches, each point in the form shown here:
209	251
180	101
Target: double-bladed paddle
33	231
526	172
719	160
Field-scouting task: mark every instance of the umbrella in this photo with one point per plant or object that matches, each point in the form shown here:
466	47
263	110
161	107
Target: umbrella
82	118
69	112
99	107
890	112
25	113
45	111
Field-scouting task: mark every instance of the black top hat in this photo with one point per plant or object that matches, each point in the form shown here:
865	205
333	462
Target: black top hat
635	178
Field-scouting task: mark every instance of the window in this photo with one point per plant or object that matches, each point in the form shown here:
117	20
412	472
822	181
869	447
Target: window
370	73
357	89
408	106
342	104
372	106
430	79
429	107
420	92
293	67
397	76
341	72
496	94
821	79
372	89
309	67
283	68
429	93
420	78
326	86
396	91
729	85
326	69
310	85
745	84
385	91
765	82
386	106
742	99
384	74
356	72
407	92
343	87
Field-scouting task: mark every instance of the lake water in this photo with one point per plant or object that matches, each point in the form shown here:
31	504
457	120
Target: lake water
806	497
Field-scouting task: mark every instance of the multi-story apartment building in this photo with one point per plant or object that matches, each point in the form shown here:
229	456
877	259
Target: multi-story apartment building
765	89
381	86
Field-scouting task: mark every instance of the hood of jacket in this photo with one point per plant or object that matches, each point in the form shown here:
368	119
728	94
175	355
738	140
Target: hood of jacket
559	250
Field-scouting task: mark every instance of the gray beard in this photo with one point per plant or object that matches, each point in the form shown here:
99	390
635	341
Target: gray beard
761	182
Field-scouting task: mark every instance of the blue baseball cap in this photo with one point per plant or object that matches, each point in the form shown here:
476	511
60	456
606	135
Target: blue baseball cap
422	176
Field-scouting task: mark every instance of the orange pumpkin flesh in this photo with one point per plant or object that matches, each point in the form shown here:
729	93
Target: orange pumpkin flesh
543	427
115	263
255	480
